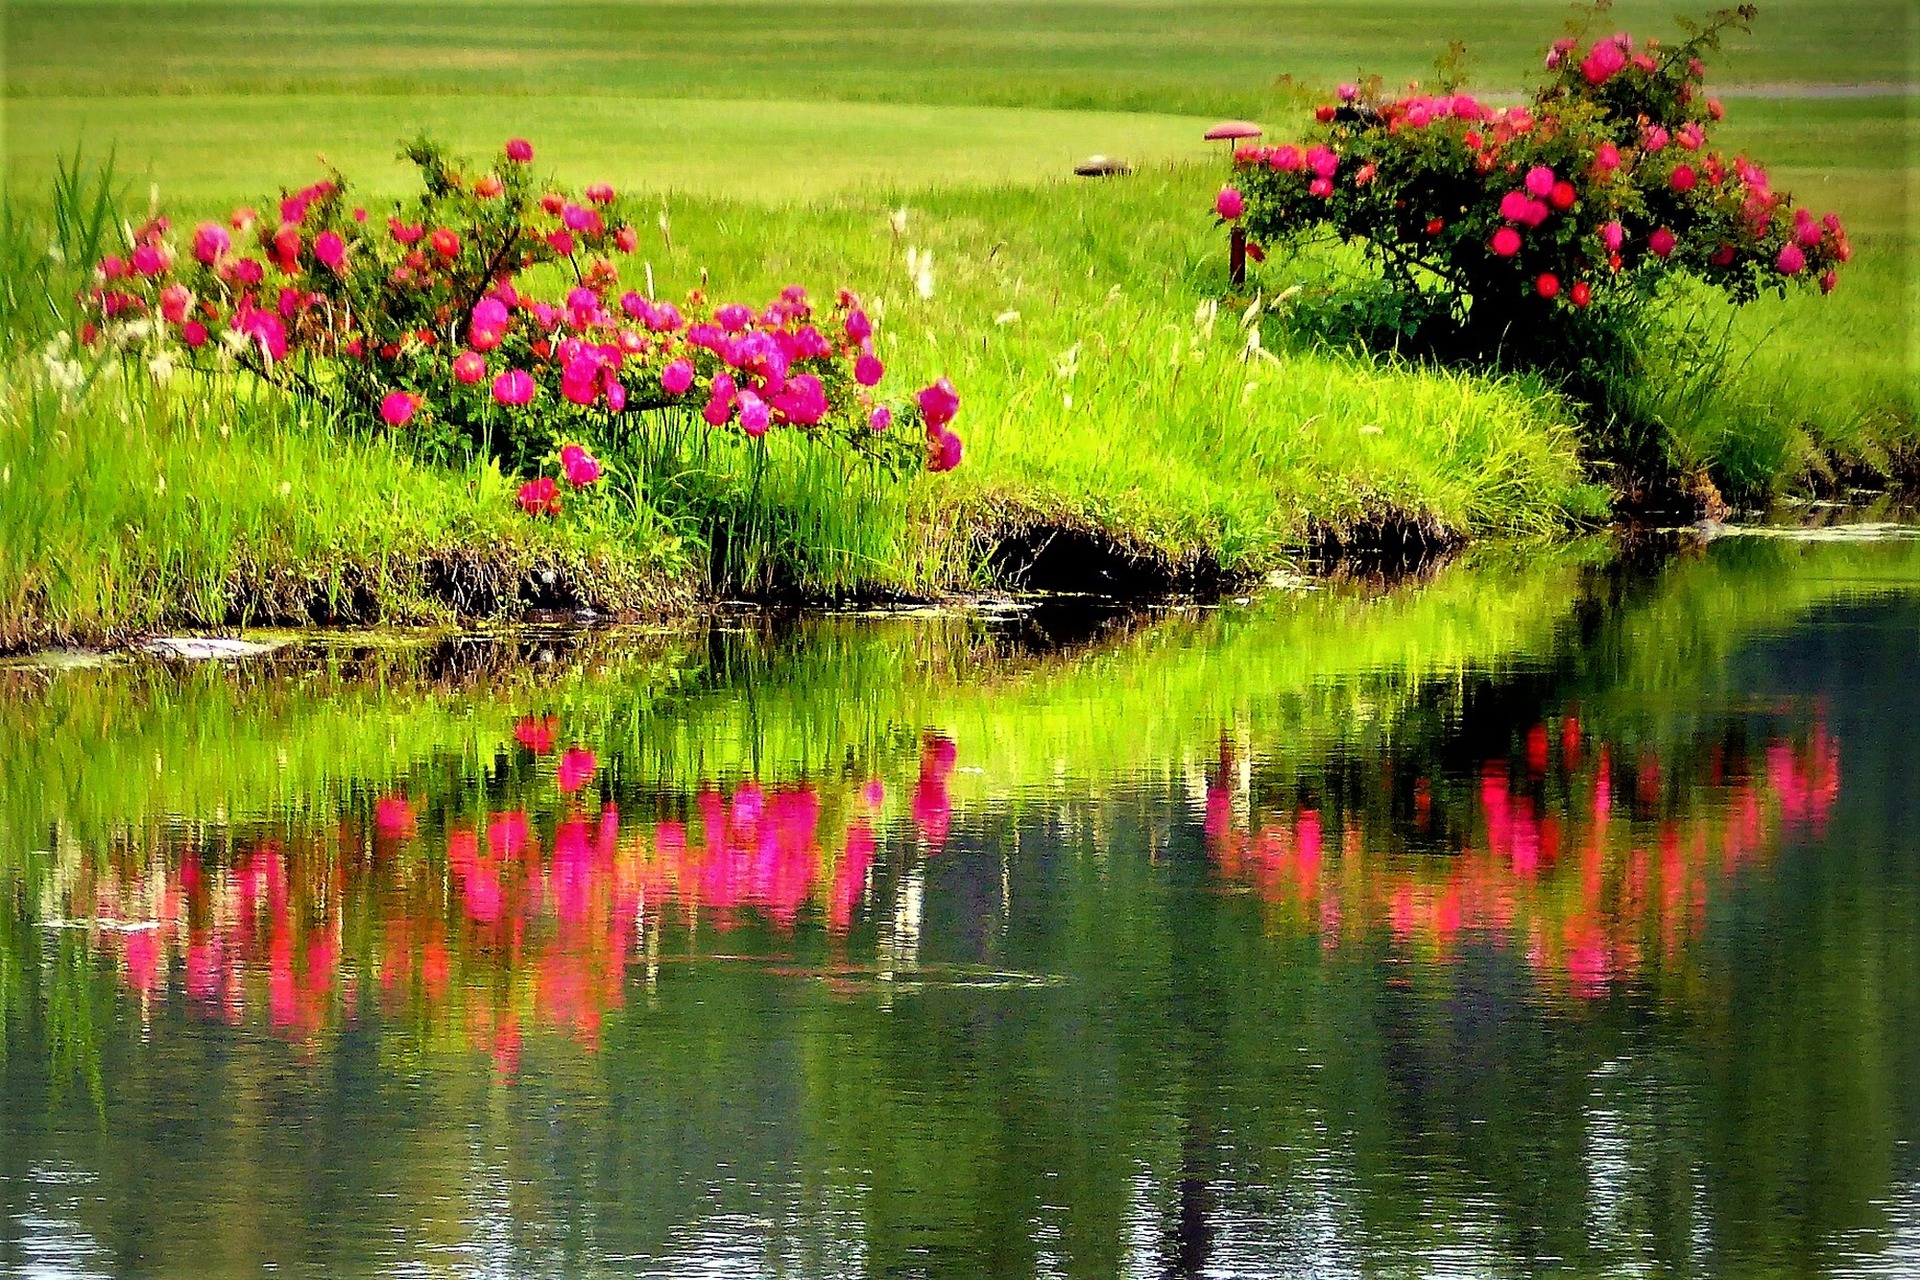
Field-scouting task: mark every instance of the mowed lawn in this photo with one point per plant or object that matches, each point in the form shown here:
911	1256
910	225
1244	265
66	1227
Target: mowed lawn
767	101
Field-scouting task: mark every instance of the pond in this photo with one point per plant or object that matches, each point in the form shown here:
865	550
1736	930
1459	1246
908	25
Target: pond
1558	909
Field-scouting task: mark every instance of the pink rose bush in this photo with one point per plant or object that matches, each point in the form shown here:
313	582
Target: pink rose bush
1605	181
439	320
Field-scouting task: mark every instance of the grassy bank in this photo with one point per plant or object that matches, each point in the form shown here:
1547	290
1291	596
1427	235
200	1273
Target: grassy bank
1108	403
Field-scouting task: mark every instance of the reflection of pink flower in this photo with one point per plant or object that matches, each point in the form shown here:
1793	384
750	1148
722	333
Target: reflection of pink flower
393	816
575	769
536	735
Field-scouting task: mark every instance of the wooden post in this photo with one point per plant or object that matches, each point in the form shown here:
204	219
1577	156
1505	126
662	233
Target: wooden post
1237	257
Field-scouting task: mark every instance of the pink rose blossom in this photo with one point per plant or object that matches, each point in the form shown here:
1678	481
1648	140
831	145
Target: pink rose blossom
677	377
469	367
754	414
396	408
1661	242
938	404
1791	260
330	250
582	468
513	387
210	242
1229	204
519	150
943	451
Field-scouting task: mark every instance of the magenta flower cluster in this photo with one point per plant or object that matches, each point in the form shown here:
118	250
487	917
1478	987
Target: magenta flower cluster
1601	184
421	320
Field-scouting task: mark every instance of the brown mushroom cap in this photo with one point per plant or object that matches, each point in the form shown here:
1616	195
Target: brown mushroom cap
1233	129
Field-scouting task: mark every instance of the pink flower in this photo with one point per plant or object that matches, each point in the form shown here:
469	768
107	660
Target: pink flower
469	367
148	260
514	387
754	414
1539	180
519	150
1229	204
599	193
1367	173
575	769
867	370
175	300
677	377
1286	159
1684	179
330	249
210	242
1655	137
1506	242
194	334
938	404
1320	187
1613	235
561	243
859	328
1692	136
582	468
1791	260
1348	92
264	331
540	497
489	313
1605	60
1829	280
1661	242
396	408
943	451
1606	157
1322	160
880	419
1513	206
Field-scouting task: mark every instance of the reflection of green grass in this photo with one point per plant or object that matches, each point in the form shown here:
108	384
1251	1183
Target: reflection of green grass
128	743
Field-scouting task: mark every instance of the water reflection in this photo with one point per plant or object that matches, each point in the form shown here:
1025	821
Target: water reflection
1595	891
1511	921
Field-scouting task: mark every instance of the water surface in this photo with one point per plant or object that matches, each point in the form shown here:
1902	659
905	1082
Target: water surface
1554	912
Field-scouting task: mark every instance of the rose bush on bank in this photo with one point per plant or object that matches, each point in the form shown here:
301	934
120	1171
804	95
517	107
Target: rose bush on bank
1539	231
433	322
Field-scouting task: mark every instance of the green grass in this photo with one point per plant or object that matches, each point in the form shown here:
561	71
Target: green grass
781	136
128	508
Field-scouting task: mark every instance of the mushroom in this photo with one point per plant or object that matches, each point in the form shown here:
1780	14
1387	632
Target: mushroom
1102	167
